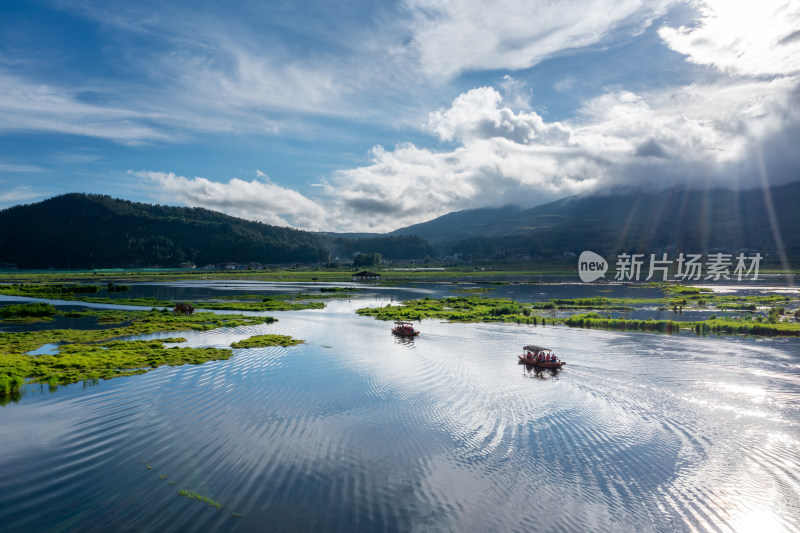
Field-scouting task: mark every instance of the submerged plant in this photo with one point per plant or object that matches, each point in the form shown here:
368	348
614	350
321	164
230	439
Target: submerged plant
199	497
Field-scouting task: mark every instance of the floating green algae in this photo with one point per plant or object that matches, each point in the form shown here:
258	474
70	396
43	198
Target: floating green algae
262	341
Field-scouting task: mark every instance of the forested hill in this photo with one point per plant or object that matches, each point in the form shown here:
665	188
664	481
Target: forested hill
94	231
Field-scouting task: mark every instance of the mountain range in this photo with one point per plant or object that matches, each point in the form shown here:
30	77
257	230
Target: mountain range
688	220
91	231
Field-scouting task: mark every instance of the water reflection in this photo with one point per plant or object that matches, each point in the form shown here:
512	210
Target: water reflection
533	371
355	431
404	340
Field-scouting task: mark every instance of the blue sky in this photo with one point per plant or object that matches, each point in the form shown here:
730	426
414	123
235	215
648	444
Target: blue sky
369	116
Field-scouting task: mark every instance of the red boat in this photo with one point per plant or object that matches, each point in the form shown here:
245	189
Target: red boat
405	329
541	357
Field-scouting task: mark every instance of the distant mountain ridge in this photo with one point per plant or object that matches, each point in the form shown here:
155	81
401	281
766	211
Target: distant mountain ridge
93	231
693	221
459	224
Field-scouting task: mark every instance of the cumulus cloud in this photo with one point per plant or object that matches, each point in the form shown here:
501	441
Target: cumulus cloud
699	135
703	134
494	148
258	199
478	114
696	135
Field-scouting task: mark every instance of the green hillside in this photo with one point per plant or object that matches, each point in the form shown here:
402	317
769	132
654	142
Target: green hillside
94	231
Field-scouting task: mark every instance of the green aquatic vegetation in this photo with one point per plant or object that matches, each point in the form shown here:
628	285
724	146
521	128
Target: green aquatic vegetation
737	307
340	289
716	325
199	497
237	297
598	302
236	515
262	341
138	302
455	309
104	360
10	384
162	477
113	287
476	309
59	291
37	310
268	304
47	290
597	321
683	290
473	290
86	355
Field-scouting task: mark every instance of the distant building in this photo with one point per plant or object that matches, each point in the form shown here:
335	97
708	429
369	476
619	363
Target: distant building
186	265
366	275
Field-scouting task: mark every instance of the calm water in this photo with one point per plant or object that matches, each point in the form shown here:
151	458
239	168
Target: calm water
358	431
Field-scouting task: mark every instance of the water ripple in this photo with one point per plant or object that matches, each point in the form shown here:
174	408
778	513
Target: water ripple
356	431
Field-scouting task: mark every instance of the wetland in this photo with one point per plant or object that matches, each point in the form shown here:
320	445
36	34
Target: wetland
353	429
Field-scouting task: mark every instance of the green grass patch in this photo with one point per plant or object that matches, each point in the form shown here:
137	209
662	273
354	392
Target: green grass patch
262	341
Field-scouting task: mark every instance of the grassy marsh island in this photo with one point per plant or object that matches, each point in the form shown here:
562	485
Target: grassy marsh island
267	304
74	292
95	354
263	341
778	320
28	313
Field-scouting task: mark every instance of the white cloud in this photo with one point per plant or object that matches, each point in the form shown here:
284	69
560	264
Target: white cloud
477	114
696	135
27	106
701	135
210	69
18	195
259	199
455	36
742	38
